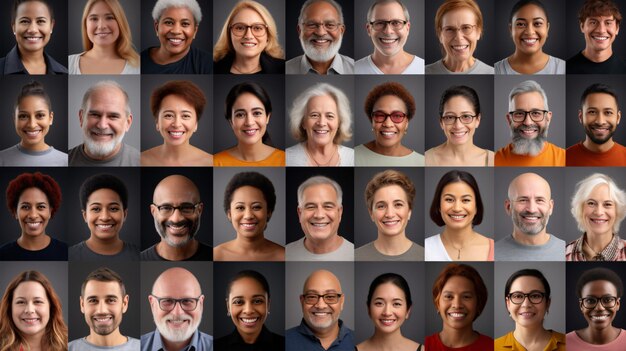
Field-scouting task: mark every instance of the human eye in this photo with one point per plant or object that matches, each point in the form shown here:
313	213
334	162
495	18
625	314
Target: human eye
535	296
590	203
258	28
186	24
538	24
187	116
168	22
237	302
258	113
40	115
110	18
608	204
95	209
331	26
380	206
42	207
258	301
39	302
536	113
24	21
590	300
468	296
520	24
25	207
166	208
466	200
240	114
447	296
111	300
607	300
257	207
330	116
592	112
466	28
314	115
593	22
448	199
397	304
448	119
187	302
378	303
168	116
398	204
329	206
309	206
92	300
114	208
517	296
449	30
22	116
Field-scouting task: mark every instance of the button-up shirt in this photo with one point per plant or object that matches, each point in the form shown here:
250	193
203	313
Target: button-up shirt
199	342
12	64
301	338
300	65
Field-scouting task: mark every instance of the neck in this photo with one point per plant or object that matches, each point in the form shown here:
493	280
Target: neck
452	337
327	335
104	52
246	65
324	153
323	246
529	335
600	336
249	244
394	150
32	57
251	152
34	242
523	57
598	56
105	157
598	242
392	245
389	62
386	341
33	341
174	152
458	66
458	150
591	146
536	239
458	237
41	146
113	339
321	67
174	346
162	56
109	246
177	253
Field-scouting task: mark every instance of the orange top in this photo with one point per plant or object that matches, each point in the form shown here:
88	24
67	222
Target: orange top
579	155
225	159
550	156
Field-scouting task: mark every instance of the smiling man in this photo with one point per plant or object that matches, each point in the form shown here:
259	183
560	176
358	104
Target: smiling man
177	208
599	114
104	117
529	119
529	204
599	22
320	28
320	210
322	302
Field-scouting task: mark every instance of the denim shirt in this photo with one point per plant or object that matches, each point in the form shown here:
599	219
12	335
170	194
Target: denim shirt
301	338
199	342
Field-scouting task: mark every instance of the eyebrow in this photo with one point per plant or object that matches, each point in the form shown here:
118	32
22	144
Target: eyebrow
241	296
174	111
534	18
100	204
106	296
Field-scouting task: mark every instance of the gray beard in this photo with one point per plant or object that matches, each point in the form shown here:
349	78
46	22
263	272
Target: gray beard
530	147
317	55
163	233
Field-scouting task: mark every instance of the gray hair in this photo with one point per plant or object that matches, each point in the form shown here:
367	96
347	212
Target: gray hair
384	2
298	111
527	86
583	191
105	84
318	180
308	3
162	5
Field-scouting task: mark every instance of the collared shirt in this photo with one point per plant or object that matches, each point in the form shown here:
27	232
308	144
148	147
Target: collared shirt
614	251
266	341
301	65
12	64
199	342
302	338
508	342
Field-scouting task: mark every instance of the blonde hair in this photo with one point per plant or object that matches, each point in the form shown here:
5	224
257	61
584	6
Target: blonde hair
124	45
224	46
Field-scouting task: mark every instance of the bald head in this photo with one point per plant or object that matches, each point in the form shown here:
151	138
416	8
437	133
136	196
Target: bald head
178	186
321	280
176	282
529	180
530	206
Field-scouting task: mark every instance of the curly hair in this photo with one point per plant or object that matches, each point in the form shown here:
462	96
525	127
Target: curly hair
465	271
599	8
387	178
37	180
102	181
386	89
185	89
255	180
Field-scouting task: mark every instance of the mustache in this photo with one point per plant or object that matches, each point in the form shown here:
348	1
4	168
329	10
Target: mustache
533	214
321	37
185	223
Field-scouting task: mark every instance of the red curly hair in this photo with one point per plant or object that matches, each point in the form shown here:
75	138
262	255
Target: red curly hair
37	180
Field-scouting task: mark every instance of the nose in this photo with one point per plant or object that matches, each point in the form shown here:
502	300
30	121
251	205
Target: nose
387	309
32	122
177	120
321	303
389	211
318	212
526	301
456	301
103	123
176	216
101	308
30	307
247	213
528	120
457	122
249	119
176	28
32	212
387	28
248	33
456	206
247	307
598	209
320	29
322	120
388	121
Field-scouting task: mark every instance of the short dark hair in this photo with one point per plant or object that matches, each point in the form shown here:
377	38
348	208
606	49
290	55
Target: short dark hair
102	181
389	89
394	279
252	274
599	273
256	90
38	180
460	90
33	88
454	177
598	88
184	89
255	180
518	5
17	3
599	8
465	271
103	274
529	272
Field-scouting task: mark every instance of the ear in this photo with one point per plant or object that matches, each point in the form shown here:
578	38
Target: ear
125	214
82	305
582	30
548	302
129	122
408	312
551	206
298	29
409	217
51	117
80	117
227	306
507	206
580	116
195	32
508	119
619	116
84	215
125	304
156	28
299	211
268	118
549	117
154	210
51	26
200	208
228	215
477	121
269	216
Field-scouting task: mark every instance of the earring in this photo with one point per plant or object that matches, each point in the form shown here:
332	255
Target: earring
228	314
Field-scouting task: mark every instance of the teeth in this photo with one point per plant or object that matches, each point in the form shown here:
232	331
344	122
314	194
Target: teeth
599	318
456	315
34	224
387	321
320	314
601	38
248	225
388	41
175	41
321	41
104	226
319	224
599	221
459	133
176	134
31	320
249	320
250	131
391	222
530	41
33	133
460	47
321	131
248	45
457	217
34	38
103	319
388	133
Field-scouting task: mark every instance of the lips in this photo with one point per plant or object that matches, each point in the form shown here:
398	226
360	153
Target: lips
387	322
103	319
527	131
101	134
177	229
530	41
250	132
600	317
33	133
457	217
459	48
526	315
388	134
388	41
248	226
457	315
248	44
600	38
176	134
321	131
104	227
31	321
319	225
249	322
175	41
33	40
598	220
391	223
34	225
177	323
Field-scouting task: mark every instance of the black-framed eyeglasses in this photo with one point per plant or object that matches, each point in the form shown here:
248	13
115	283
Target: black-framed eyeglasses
185	208
535	115
381	25
396	116
186	303
240	29
590	302
451	119
535	297
329	26
330	298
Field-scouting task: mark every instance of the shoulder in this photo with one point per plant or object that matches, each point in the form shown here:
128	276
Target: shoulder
500	66
293	66
272	65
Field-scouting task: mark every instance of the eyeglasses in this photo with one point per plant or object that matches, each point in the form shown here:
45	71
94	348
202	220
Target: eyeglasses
450	31
167	303
381	25
240	29
535	115
451	119
590	302
396	116
535	297
330	298
185	209
329	26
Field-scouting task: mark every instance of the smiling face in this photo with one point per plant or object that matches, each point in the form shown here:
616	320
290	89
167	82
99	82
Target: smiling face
388	134
527	314
248	212
102	27
32	122
33	26
248	306
459	47
249	119
321	316
599	32
248	46
103	306
529	29
105	214
390	210
320	44
528	136
529	204
599	212
600	317
321	120
320	213
459	133
388	309
33	212
177	120
30	308
457	205
388	41
458	302
600	116
176	29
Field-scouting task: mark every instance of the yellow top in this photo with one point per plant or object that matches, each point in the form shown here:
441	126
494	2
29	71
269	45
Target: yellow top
507	342
225	159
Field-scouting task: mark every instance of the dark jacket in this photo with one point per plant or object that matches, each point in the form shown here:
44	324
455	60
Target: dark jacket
269	64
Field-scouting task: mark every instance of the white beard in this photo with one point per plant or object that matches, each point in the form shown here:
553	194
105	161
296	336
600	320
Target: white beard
318	55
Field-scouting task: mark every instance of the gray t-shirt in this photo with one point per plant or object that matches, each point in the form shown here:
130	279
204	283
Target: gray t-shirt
368	252
83	345
479	67
81	252
296	251
508	249
16	156
554	66
365	157
127	156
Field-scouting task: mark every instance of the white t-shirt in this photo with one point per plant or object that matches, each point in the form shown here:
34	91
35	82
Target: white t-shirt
367	66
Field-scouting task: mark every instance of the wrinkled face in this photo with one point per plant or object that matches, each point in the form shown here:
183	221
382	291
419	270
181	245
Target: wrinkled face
390	210
388	134
388	309
600	317
30	309
599	211
104	214
599	32
249	45
459	34
176	29
33	212
177	120
249	119
248	305
33	26
388	41
319	43
530	207
321	316
321	120
176	229
103	306
102	27
457	305
320	213
248	212
600	116
529	29
527	314
458	205
32	122
459	133
176	325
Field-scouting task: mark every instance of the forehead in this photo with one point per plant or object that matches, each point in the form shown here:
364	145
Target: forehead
458	102
182	285
104	195
600	17
319	101
390	191
175	193
529	11
246	285
392	10
458	16
320	192
599	288
458	283
33	102
321	282
29	289
457	188
247	99
389	290
107	97
174	100
531	187
247	14
33	9
247	193
178	13
389	101
527	283
98	288
321	10
100	7
531	99
33	193
600	100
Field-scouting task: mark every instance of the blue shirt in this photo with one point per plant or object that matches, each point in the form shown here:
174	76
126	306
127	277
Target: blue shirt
199	342
12	64
302	338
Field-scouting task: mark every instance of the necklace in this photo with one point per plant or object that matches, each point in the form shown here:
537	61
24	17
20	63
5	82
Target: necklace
458	249
254	70
320	164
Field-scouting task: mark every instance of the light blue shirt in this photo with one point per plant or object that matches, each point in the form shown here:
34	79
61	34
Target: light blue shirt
199	342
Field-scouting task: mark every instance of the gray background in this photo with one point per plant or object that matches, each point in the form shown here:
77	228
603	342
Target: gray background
295	275
56	88
363	45
414	139
554	86
483	84
484	47
484	323
150	271
274	272
576	40
554	175
75	12
274	84
78	328
576	84
77	87
150	137
413	272
223	229
484	177
296	84
365	229
554	273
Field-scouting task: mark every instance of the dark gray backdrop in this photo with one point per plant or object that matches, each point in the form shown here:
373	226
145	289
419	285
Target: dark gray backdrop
576	40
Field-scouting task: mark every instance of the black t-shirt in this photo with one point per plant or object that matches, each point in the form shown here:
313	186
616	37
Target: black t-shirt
579	64
204	253
195	62
55	251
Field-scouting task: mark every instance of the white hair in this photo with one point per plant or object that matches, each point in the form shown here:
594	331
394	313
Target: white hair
318	180
583	191
162	5
527	86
